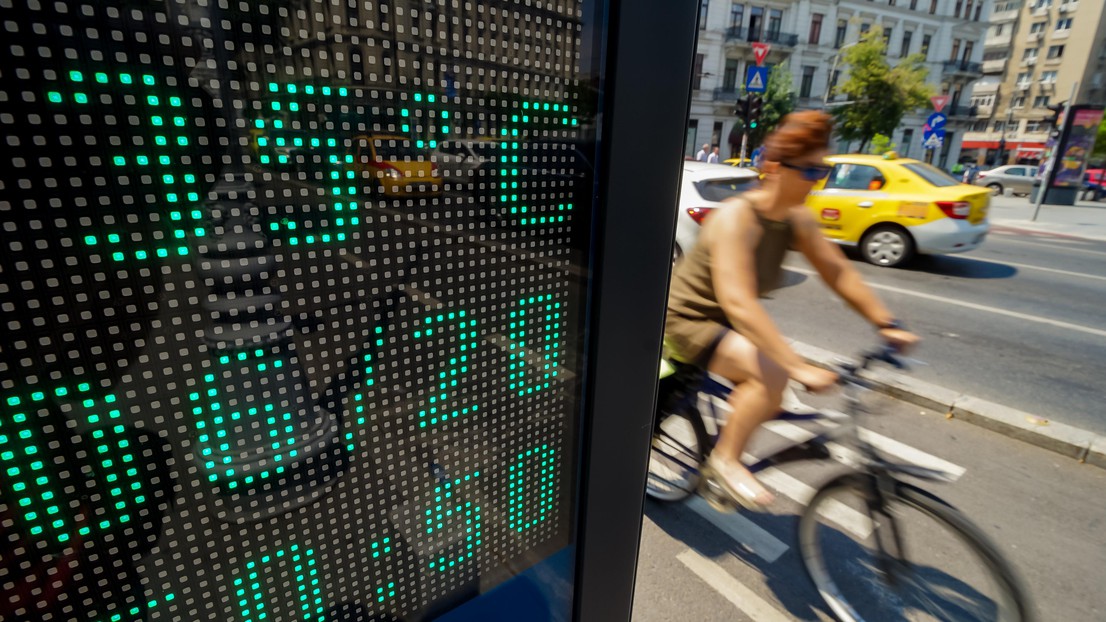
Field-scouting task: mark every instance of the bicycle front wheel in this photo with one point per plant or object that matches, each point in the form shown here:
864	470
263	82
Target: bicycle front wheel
911	557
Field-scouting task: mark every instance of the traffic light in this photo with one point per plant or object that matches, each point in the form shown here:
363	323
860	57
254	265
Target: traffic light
755	108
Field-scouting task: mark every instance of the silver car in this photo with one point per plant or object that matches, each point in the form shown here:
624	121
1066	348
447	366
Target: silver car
1017	178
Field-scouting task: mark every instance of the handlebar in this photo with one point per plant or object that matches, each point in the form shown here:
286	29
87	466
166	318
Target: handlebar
848	371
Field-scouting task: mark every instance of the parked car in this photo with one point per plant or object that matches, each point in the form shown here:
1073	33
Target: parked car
460	160
1093	185
892	208
703	189
1018	178
395	166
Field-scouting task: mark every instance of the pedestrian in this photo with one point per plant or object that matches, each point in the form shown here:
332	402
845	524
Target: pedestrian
713	158
703	153
969	172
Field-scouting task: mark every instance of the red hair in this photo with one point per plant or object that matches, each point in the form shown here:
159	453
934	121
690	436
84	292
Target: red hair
799	133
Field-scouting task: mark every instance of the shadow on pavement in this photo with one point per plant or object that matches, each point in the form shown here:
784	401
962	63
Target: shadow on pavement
960	266
788	581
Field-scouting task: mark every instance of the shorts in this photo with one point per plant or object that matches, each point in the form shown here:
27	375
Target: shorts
693	341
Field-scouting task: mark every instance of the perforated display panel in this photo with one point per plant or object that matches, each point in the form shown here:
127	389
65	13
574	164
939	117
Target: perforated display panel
293	297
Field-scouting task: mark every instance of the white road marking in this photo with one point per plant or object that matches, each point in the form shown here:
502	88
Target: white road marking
744	531
886	445
971	305
745	600
1003	262
845	517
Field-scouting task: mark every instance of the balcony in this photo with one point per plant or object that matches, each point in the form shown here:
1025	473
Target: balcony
963	67
962	112
1023	86
1033	37
724	94
1047	88
1006	39
1029	62
994	66
1070	7
1006	12
746	35
984	111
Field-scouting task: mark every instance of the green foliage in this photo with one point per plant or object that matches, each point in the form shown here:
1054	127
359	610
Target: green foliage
881	94
1099	153
881	144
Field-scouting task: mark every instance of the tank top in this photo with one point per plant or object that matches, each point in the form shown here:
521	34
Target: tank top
692	295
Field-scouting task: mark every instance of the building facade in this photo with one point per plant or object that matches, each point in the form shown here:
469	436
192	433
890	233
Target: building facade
1035	52
809	35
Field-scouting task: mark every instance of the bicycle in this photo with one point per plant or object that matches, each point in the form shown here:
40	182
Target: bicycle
871	543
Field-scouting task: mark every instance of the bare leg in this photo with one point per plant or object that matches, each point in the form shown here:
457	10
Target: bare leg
755	399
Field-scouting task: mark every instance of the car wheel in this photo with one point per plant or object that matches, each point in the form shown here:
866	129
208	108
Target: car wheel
996	189
887	246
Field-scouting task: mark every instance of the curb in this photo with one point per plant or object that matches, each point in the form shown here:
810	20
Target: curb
999	225
1070	441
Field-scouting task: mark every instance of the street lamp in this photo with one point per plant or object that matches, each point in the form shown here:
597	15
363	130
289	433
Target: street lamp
836	57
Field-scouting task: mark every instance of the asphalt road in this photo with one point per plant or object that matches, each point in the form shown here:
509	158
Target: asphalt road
1018	321
1043	511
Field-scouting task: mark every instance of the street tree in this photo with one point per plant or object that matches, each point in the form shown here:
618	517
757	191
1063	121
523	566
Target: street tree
880	94
779	100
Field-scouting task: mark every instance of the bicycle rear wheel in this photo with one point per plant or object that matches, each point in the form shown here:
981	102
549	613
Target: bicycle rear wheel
934	564
678	449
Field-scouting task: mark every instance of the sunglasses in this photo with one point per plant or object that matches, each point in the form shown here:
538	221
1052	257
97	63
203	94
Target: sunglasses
810	173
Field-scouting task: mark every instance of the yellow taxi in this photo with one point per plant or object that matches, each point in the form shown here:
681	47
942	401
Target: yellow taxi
395	166
892	208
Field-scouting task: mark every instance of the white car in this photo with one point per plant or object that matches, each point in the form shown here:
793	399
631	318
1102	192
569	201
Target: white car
703	187
459	160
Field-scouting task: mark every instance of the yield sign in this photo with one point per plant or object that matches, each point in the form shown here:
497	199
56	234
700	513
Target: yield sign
939	102
760	52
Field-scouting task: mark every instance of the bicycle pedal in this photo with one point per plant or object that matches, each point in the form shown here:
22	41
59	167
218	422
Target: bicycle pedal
713	493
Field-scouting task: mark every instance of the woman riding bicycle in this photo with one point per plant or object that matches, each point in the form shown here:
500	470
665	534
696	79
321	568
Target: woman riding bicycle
715	320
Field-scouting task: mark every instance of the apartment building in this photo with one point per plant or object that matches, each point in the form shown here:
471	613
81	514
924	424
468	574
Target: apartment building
809	34
1034	53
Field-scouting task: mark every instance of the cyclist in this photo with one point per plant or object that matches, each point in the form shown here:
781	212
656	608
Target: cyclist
715	320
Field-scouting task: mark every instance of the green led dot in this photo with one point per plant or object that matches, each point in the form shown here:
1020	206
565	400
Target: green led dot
125	78
54	97
152	100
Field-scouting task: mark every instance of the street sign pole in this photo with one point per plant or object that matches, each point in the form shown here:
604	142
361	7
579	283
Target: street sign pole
1050	166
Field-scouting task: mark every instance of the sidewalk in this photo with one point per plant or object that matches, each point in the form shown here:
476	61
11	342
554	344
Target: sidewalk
1084	220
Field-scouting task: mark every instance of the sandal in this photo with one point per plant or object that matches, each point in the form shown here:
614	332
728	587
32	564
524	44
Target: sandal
738	484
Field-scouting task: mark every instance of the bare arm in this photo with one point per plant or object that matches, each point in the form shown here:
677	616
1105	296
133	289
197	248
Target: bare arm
734	239
837	271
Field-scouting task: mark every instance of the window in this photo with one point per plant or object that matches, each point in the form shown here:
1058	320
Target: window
926	40
959	7
729	75
1063	24
737	15
756	23
887	32
1037	28
1024	77
1056	51
1040	101
697	73
1029	53
907	139
865	27
775	22
815	28
807	84
855	177
904	50
834	77
1048	77
1018	102
999	29
934	176
913	5
722	189
932	7
842	31
703	10
1000	126
955	49
969	47
1032	126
